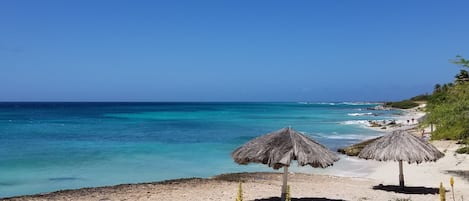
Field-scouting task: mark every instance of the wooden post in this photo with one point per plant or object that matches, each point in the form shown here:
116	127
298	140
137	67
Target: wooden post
284	186
401	175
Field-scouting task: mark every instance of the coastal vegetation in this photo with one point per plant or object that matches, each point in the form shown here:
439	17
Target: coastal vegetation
447	110
463	150
442	192
448	107
420	98
410	103
240	192
451	182
405	104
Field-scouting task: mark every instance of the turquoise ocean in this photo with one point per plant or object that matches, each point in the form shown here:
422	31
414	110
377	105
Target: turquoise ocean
46	147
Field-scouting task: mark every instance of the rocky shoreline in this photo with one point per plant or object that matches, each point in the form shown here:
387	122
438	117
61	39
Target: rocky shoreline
409	121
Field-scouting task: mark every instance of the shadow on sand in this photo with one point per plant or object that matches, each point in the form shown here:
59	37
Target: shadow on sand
407	189
297	199
460	173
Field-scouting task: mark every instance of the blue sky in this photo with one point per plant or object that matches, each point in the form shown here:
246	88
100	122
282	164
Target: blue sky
228	50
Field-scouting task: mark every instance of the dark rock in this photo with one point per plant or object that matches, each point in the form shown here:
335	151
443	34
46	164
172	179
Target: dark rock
354	149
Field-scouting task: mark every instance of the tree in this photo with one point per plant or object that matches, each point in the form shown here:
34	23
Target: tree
448	106
449	111
462	77
461	61
437	88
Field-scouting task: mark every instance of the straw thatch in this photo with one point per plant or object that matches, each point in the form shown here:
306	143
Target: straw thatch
401	146
279	148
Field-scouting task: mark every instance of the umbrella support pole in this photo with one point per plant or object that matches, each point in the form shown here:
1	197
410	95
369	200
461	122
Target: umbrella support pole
401	175
284	185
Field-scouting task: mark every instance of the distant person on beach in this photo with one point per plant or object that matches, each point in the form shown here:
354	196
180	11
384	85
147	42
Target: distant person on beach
408	121
423	132
412	120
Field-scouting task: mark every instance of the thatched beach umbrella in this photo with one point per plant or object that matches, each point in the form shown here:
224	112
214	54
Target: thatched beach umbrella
279	148
401	146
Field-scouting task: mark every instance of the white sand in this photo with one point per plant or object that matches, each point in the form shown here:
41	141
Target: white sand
349	179
266	185
401	120
429	174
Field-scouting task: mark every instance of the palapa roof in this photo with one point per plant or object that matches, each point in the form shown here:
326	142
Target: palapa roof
401	145
279	148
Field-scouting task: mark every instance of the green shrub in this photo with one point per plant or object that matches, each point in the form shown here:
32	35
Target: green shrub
405	104
448	107
423	97
463	150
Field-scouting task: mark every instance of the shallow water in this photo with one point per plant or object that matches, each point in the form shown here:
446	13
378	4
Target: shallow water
51	146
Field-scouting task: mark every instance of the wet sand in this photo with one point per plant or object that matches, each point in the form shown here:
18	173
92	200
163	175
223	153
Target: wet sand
422	183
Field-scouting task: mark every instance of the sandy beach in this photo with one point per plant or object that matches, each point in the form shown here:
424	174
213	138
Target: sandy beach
409	119
225	100
349	179
422	180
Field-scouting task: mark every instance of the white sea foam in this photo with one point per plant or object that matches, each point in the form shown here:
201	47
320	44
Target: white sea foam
357	103
349	136
360	114
357	122
346	136
325	103
336	103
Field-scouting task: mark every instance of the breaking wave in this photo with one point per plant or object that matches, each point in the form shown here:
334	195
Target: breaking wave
360	114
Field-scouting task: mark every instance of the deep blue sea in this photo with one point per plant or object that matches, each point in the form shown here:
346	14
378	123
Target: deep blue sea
52	146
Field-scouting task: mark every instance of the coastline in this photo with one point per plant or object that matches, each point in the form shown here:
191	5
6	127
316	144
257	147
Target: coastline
407	120
264	185
355	177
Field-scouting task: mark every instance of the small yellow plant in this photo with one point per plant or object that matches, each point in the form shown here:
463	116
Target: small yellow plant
451	182
288	196
442	192
240	193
